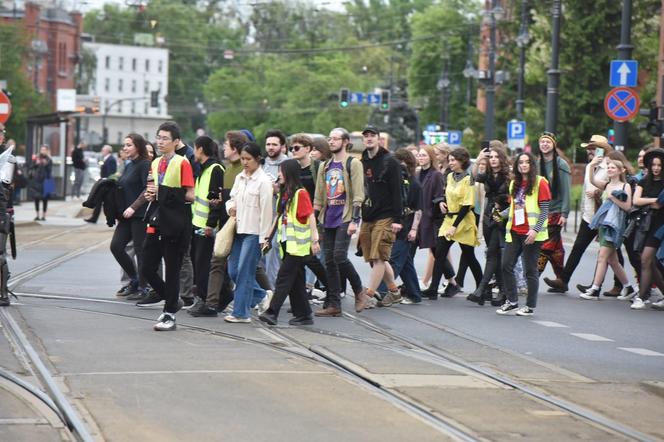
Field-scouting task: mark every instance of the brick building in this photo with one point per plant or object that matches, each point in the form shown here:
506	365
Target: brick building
55	45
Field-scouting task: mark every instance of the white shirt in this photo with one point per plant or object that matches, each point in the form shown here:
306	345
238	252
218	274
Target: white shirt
251	196
588	205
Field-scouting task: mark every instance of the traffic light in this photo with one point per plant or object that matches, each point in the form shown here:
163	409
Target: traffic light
611	135
154	99
654	125
344	98
385	100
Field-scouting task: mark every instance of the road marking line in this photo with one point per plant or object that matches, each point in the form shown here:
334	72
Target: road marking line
641	351
591	337
550	324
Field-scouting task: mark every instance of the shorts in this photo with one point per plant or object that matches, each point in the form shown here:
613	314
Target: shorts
603	242
376	239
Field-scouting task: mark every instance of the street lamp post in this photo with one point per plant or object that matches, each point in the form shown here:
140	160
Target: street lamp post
522	41
443	86
624	53
553	72
490	86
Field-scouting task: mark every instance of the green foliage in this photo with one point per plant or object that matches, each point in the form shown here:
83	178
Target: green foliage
14	56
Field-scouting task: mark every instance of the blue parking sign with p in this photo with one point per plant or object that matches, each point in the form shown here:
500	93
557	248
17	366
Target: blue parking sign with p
516	130
454	137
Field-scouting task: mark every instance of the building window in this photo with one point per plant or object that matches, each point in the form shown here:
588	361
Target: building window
62	58
133	64
160	84
107	84
145	112
119	137
160	66
133	85
108	62
121	63
133	107
147	137
120	85
146	87
147	65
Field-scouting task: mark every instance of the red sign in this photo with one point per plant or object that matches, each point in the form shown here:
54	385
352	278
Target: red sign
622	104
5	108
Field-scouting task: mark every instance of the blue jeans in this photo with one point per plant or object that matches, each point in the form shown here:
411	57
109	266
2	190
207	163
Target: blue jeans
244	258
402	264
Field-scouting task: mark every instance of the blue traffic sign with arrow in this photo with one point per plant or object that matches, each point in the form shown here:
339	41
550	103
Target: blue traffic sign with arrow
624	73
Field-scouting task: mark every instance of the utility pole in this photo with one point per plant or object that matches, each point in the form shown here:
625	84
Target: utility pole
624	53
660	79
490	88
522	41
553	73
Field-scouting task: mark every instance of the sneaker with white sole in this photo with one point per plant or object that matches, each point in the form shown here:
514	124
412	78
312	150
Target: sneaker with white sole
235	320
152	299
410	301
591	294
525	311
262	306
638	304
659	305
390	299
318	294
166	322
508	309
627	294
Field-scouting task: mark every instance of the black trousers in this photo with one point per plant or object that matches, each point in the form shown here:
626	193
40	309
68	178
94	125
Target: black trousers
172	250
335	245
530	254
494	238
442	266
201	255
128	230
290	283
317	268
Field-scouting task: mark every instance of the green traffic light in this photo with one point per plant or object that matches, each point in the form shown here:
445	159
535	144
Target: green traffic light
343	104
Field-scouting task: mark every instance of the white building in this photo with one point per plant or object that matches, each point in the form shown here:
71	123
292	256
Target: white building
124	80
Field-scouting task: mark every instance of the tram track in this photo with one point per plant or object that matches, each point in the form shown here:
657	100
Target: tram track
314	353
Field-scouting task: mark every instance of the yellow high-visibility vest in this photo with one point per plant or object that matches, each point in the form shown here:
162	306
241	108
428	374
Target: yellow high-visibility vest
532	210
298	235
200	209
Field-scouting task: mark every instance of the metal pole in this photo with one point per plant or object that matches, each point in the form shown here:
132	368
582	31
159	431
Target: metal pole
520	101
624	53
553	72
490	89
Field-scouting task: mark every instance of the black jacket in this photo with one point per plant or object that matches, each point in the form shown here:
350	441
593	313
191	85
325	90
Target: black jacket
104	193
382	184
171	214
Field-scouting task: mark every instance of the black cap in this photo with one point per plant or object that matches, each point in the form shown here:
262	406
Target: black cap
371	129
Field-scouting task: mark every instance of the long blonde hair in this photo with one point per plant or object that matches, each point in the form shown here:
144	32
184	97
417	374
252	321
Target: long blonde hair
621	167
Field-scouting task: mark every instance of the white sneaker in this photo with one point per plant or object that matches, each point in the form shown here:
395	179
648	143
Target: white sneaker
423	286
638	304
659	305
262	306
235	320
508	309
166	322
318	293
628	294
525	311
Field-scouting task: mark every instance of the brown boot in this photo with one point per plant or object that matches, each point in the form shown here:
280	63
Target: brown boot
361	300
558	285
328	312
614	292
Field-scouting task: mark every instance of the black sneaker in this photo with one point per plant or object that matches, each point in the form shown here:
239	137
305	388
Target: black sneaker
590	294
188	302
152	299
4	302
205	311
450	291
139	295
304	320
508	309
127	290
583	288
198	305
476	298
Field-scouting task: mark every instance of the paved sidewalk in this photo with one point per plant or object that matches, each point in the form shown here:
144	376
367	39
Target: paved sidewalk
60	213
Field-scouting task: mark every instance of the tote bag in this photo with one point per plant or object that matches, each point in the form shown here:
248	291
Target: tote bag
223	242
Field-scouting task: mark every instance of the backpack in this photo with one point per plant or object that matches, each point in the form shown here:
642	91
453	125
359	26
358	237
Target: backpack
405	189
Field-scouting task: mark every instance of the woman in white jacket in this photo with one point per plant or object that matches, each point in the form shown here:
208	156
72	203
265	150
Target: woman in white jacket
251	203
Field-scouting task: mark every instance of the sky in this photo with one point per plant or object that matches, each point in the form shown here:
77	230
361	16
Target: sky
86	5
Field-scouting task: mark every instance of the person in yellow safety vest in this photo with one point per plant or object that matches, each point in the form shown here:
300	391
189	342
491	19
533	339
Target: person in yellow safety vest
207	217
526	230
170	186
297	235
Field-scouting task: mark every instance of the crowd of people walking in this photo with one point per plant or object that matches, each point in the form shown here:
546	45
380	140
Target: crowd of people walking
248	227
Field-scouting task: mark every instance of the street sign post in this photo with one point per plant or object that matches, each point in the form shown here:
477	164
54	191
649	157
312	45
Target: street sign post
516	134
624	73
5	107
373	98
454	137
622	104
435	137
357	97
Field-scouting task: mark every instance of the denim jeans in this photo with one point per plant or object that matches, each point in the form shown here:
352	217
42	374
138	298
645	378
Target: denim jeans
337	264
242	263
529	253
401	261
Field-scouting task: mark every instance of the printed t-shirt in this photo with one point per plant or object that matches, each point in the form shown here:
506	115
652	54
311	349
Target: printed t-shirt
335	192
544	194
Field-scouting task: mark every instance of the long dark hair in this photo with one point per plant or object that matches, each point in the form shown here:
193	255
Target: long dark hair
518	176
290	169
499	148
210	148
140	144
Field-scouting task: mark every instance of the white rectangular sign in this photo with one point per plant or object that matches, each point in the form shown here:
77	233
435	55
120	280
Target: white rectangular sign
66	100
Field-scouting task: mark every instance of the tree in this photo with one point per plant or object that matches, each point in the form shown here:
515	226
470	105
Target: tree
15	54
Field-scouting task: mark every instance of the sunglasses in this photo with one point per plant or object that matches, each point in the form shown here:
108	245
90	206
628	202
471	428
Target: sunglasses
295	148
